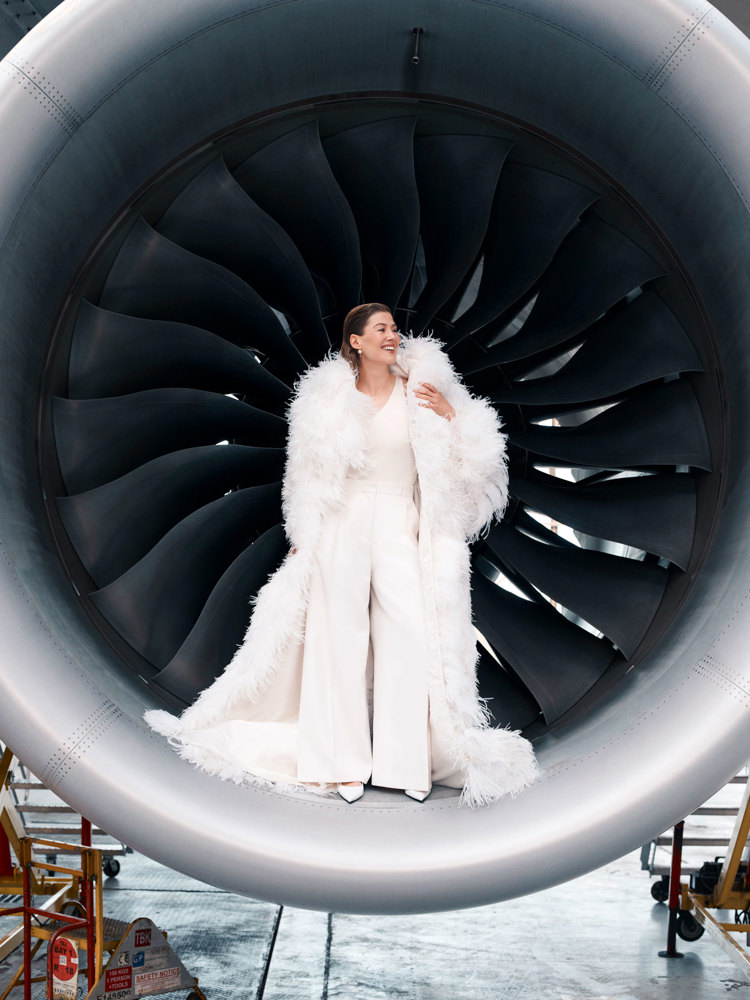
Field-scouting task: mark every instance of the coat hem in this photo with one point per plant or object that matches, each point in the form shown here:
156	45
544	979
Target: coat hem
212	763
497	763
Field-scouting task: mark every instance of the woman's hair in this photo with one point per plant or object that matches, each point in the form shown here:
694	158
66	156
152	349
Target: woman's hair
354	323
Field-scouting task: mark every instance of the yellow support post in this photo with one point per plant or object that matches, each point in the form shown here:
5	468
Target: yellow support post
738	840
727	894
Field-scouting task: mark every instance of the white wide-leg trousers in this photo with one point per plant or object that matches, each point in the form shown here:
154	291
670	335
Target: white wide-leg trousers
366	590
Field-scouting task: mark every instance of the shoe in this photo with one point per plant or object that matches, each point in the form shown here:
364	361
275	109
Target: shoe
419	796
351	792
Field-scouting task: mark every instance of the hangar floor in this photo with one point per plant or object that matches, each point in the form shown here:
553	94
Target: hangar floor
596	938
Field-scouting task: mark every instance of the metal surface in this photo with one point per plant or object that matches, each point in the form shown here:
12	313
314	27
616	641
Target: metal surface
140	217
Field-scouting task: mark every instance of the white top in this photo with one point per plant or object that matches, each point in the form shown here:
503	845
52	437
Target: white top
390	447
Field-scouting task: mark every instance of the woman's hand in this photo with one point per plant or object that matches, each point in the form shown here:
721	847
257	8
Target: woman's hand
435	400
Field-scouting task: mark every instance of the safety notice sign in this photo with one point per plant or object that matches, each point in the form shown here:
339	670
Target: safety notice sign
144	963
64	969
159	981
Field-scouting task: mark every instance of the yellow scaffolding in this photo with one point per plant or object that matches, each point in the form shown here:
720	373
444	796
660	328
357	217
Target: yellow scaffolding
87	929
731	892
68	887
57	890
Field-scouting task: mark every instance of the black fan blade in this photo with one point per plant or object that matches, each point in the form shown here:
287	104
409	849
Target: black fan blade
616	595
99	440
661	425
157	602
456	177
215	218
508	700
534	210
315	214
115	525
221	625
635	345
112	354
374	165
533	528
154	278
595	267
653	513
556	660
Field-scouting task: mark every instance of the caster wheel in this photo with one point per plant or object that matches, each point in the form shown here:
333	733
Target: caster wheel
73	908
660	889
111	867
688	927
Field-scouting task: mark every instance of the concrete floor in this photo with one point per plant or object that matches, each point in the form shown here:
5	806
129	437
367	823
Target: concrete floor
596	938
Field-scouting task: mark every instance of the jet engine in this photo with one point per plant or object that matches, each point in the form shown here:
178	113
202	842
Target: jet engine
193	197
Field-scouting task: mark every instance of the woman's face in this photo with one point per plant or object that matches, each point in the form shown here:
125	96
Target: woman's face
378	340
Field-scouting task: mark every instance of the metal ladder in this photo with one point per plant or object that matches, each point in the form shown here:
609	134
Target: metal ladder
22	783
657	865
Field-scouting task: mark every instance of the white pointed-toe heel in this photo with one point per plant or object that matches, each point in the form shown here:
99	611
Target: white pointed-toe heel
351	792
419	796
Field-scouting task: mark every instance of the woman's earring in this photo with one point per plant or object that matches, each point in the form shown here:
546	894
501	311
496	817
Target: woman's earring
359	350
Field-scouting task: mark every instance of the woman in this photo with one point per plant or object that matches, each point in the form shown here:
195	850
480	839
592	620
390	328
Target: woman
392	468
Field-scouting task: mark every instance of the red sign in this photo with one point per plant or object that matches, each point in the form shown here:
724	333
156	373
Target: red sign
143	938
118	979
64	959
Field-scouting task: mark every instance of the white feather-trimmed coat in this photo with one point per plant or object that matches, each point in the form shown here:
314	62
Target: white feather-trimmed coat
462	486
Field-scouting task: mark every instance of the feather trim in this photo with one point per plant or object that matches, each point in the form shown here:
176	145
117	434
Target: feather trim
478	448
327	435
499	762
163	723
268	637
212	763
179	737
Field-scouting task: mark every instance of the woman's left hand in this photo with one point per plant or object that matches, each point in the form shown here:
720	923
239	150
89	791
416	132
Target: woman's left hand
435	400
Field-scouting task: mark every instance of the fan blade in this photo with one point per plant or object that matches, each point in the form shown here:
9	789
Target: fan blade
533	528
215	218
316	215
154	278
221	625
456	176
635	345
112	354
508	700
595	267
115	525
661	425
653	513
556	660
534	210
99	440
385	203
616	595
157	602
